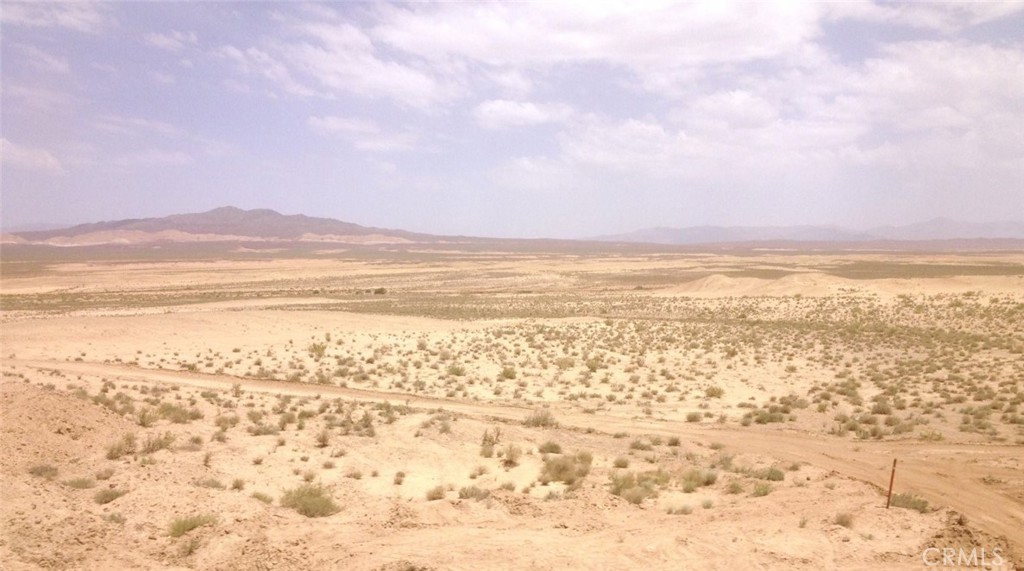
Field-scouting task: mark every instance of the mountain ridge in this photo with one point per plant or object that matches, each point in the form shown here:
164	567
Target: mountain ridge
229	223
934	229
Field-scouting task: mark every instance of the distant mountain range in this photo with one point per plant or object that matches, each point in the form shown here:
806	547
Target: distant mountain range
219	224
234	224
936	229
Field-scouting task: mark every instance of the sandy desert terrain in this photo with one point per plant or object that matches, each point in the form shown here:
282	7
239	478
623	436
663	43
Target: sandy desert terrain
397	408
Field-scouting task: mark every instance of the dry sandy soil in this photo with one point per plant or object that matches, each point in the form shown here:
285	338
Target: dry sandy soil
402	409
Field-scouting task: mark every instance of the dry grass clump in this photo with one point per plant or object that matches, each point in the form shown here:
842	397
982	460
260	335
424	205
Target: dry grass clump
182	525
106	496
635	488
910	501
310	500
540	419
43	471
473	493
157	443
80	483
435	493
123	447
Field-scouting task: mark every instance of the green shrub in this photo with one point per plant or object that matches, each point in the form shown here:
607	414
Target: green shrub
310	500
183	525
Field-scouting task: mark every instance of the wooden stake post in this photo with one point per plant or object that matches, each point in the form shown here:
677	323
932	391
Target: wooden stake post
892	478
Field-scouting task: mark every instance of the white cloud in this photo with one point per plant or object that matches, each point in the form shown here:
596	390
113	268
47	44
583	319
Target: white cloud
948	17
173	41
44	60
30	158
363	134
153	158
90	17
161	77
330	59
135	126
502	113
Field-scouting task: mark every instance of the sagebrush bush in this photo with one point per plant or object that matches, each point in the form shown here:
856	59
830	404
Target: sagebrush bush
310	500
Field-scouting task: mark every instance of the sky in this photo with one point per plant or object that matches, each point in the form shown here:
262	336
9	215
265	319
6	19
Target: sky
542	119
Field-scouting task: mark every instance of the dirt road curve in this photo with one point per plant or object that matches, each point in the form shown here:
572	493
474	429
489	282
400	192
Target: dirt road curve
944	473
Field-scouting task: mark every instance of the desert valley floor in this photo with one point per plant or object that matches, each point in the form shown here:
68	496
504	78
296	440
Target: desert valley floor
375	407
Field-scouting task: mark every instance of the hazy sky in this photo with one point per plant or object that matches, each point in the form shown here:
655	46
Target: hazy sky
543	119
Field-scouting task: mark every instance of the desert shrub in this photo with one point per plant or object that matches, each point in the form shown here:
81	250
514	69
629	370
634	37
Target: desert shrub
399	478
123	447
510	456
310	500
699	478
844	519
156	443
681	510
771	474
178	414
108	495
472	493
621	462
910	501
631	488
567	469
323	439
550	447
714	392
105	474
541	419
674	441
212	483
435	493
693	416
182	525
761	489
43	471
80	483
238	484
734	487
639	444
265	498
226	422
